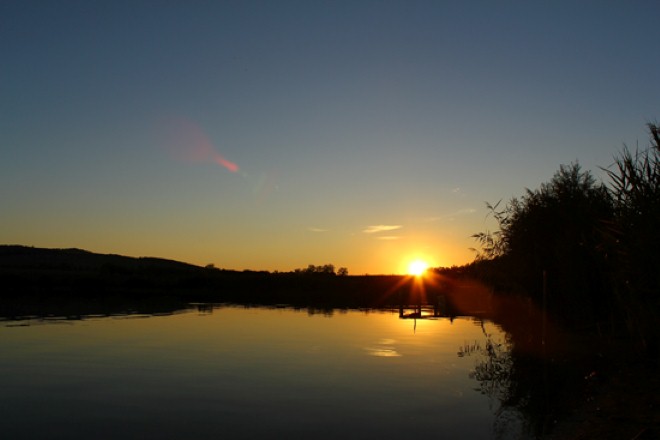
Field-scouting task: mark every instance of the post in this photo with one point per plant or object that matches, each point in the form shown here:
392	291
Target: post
544	317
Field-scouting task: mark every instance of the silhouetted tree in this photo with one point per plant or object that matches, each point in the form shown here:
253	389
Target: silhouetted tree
557	229
327	269
598	245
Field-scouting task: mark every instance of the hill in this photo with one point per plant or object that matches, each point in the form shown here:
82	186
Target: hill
23	257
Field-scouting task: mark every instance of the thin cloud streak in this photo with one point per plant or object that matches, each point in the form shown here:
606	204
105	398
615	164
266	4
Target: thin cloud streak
373	229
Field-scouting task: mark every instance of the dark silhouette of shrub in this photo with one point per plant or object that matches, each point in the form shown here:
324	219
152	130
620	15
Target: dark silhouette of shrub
557	230
591	248
635	187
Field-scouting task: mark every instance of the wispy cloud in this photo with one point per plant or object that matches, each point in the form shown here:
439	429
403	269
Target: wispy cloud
388	237
313	229
373	229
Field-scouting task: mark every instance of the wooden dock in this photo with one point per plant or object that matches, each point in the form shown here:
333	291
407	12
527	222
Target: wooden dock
424	311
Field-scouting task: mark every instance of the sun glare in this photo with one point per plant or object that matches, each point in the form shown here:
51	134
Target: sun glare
417	267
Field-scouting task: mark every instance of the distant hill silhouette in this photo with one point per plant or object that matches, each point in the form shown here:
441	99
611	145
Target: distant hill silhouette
22	257
43	281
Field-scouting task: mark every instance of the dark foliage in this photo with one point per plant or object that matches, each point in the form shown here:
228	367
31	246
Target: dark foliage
635	186
585	251
557	230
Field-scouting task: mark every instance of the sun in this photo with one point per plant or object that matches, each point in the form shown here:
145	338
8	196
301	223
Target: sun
417	267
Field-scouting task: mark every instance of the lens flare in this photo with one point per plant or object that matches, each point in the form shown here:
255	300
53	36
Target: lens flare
188	143
231	166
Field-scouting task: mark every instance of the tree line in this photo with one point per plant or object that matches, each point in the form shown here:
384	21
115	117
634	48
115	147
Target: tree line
311	269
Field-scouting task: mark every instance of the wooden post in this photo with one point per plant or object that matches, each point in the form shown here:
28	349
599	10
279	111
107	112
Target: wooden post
544	317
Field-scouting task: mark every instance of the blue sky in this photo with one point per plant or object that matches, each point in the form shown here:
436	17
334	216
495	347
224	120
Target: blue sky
365	133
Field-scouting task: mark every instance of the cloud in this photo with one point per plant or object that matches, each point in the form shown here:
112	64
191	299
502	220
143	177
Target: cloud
388	237
313	229
373	229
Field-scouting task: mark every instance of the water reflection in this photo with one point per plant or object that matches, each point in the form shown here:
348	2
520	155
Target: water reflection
209	371
384	348
494	366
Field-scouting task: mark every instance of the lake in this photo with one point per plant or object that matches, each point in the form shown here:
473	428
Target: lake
237	372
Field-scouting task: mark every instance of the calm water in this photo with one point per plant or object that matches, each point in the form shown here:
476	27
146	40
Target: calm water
237	372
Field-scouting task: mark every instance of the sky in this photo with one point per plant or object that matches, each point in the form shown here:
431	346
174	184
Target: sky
270	135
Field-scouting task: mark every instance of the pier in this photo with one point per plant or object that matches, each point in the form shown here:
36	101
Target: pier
436	309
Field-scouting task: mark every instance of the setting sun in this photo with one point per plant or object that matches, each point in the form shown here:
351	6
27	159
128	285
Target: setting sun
417	267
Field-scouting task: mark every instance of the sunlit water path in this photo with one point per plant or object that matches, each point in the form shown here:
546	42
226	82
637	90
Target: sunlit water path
236	372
